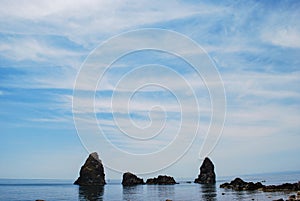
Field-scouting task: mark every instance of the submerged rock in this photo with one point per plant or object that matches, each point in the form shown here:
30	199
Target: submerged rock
238	184
92	172
130	179
207	173
161	180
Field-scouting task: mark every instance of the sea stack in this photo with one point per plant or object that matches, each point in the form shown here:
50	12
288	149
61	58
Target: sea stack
130	179
207	174
92	172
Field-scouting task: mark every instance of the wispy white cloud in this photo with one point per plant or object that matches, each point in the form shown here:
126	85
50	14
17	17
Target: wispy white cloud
32	49
285	37
262	86
282	29
82	20
261	120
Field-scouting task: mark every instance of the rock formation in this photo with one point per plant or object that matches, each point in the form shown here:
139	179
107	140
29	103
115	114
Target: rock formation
92	172
283	187
161	180
207	174
130	179
239	185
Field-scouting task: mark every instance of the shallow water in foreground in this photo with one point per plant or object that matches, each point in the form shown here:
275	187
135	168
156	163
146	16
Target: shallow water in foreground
53	190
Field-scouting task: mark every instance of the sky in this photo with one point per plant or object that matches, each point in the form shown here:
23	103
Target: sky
44	45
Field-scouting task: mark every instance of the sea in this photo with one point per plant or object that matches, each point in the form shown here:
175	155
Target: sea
56	190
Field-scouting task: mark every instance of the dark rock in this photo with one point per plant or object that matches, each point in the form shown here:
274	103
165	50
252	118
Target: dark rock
238	184
292	197
151	181
207	174
161	180
225	185
130	179
92	172
282	187
279	199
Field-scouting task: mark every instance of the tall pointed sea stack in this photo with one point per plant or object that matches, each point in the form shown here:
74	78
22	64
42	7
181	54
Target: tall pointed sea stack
92	172
207	174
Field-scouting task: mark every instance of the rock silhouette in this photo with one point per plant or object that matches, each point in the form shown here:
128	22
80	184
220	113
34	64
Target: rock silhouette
130	179
92	172
239	185
283	187
207	174
161	180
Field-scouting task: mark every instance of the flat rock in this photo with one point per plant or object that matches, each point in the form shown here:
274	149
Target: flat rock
92	172
207	173
130	179
239	185
161	180
282	187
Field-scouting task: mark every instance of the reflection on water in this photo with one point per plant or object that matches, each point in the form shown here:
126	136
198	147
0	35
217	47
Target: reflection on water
148	192
209	192
91	193
166	191
244	195
133	192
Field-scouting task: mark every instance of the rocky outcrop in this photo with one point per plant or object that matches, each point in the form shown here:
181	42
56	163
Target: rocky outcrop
161	180
92	172
239	185
283	187
130	179
207	173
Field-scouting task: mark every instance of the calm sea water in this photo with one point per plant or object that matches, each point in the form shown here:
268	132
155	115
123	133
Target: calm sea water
54	190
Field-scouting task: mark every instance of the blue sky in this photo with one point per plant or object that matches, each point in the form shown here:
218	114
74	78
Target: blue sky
254	45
